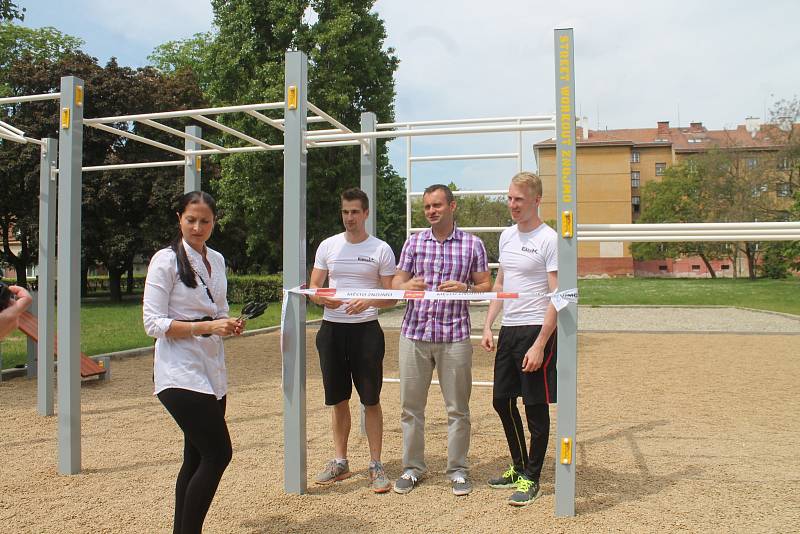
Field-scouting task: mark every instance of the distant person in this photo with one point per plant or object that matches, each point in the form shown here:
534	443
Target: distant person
14	300
186	310
350	340
436	334
525	365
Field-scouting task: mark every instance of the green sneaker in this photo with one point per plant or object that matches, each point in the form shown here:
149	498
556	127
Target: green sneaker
527	491
334	471
507	480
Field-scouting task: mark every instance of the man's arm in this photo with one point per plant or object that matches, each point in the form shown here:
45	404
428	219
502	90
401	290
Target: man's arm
317	281
494	309
403	280
358	305
535	356
9	318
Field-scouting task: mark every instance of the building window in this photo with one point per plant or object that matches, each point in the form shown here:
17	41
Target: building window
636	201
635	179
634	156
662	268
763	188
695	267
784	190
783	164
660	168
752	163
725	267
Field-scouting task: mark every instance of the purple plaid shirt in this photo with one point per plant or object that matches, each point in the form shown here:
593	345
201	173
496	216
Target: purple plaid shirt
460	255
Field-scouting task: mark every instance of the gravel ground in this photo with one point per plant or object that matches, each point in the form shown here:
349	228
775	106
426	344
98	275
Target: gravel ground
676	432
652	319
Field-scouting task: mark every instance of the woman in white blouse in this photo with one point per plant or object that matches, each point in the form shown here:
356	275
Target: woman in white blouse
186	310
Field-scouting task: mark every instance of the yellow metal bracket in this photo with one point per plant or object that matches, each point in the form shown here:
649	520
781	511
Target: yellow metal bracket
79	95
291	97
65	118
566	451
197	162
566	224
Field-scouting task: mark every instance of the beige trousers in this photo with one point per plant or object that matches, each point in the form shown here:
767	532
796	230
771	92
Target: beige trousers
453	364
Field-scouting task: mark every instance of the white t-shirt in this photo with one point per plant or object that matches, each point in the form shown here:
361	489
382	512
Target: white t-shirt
195	363
354	266
526	258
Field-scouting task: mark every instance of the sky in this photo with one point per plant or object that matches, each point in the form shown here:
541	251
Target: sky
637	63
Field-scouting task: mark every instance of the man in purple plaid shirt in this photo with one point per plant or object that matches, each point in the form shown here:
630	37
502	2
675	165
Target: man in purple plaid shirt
436	334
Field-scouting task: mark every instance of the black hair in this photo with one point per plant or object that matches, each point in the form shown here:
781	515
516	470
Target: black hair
354	193
185	271
440	187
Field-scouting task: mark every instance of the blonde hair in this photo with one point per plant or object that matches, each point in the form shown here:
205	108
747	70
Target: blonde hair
529	180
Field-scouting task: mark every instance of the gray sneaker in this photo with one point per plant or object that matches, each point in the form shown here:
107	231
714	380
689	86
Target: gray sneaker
461	486
377	476
405	483
334	471
527	492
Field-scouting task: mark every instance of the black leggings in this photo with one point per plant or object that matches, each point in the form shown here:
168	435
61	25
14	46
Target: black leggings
206	453
538	416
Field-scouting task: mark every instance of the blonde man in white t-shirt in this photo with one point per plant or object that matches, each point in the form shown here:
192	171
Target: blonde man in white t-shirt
525	364
350	341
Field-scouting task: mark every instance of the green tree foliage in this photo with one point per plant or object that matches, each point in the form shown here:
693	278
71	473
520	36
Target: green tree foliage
350	72
10	10
472	211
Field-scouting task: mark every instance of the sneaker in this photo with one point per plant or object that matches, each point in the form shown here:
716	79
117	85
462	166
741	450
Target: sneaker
461	486
527	491
334	471
377	476
405	483
507	480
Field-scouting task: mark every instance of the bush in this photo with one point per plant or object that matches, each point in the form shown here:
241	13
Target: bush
264	288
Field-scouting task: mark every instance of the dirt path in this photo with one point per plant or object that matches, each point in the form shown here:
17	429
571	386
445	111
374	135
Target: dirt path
682	432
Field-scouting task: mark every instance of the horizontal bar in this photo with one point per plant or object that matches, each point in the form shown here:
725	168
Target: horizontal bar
309	119
465	156
13	137
263	118
235	150
436	382
692	238
445	122
179	133
472	229
145	140
466	193
334	122
35	141
184	113
688	226
438	131
175	163
29	98
334	143
732	231
6	126
231	131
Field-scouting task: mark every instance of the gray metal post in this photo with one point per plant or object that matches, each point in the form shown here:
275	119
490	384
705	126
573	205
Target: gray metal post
45	386
369	170
567	190
192	171
30	364
294	274
70	159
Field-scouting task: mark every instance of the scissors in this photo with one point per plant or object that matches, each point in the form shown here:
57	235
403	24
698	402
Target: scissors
252	310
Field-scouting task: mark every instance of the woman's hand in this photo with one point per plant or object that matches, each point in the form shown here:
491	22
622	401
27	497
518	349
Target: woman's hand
225	327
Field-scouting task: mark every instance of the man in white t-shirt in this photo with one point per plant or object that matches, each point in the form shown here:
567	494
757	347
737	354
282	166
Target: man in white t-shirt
350	341
525	365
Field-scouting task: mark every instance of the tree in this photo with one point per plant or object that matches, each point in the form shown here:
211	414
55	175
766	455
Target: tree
10	10
350	72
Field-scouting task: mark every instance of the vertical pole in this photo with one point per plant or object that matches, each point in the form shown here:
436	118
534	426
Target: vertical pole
45	385
409	186
294	273
369	184
192	178
369	170
69	275
567	188
30	364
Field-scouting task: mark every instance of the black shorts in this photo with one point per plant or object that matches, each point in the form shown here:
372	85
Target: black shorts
351	354
538	387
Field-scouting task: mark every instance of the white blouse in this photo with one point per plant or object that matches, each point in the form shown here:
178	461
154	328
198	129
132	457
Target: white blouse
195	363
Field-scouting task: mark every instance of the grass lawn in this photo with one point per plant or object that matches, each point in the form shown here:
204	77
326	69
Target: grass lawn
763	294
107	327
